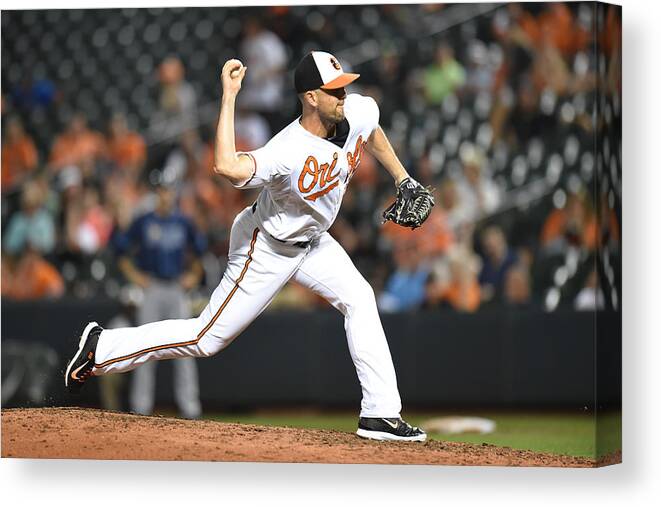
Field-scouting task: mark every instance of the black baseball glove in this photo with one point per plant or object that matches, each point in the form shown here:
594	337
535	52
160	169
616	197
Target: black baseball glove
412	205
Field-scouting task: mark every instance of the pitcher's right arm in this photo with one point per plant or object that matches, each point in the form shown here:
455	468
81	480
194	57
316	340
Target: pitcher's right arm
237	168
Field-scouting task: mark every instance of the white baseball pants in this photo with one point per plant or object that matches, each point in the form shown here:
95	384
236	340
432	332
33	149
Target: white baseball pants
258	267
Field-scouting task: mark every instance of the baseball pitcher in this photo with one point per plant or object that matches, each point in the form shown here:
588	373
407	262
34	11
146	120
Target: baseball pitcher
303	172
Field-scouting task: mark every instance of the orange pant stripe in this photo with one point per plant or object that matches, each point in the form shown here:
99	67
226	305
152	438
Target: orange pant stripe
206	328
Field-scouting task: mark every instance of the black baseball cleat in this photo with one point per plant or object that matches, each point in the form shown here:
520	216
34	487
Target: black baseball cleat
382	428
80	367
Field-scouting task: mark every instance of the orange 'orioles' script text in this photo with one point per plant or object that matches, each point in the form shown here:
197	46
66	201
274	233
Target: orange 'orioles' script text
314	173
354	159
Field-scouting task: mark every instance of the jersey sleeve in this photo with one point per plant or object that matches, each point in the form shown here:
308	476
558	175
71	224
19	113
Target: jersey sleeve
363	112
372	114
268	163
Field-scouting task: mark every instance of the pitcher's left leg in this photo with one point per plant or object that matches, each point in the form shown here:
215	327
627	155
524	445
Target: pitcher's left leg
329	271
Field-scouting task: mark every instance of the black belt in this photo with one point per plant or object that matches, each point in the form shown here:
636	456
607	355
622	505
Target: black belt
299	244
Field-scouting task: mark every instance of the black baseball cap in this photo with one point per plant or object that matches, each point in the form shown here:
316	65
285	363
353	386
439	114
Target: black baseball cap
319	69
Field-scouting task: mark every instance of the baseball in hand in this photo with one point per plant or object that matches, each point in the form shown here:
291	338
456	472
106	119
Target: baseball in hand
235	73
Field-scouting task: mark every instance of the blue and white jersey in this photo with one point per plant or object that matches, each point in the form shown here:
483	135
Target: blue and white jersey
158	244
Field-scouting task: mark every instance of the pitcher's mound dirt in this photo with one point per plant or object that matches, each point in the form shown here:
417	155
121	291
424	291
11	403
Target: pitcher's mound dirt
97	434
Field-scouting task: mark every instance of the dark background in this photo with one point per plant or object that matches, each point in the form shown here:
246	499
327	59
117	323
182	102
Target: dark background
494	359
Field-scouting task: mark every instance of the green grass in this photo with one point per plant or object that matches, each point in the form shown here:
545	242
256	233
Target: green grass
557	433
609	436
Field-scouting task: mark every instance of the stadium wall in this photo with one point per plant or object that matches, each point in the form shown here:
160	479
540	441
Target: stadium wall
443	359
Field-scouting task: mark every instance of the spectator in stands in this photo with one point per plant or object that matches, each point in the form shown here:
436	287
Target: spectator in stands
126	149
77	146
389	78
517	287
200	195
34	91
443	77
609	41
123	197
453	281
517	30
153	255
526	120
88	224
32	224
50	197
590	297
69	183
19	156
251	130
478	194
497	260
176	114
550	71
405	288
265	55
459	217
26	275
558	26
480	72
573	225
608	224
187	158
177	108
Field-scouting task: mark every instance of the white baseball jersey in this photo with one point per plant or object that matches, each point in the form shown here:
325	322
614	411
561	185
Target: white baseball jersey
304	177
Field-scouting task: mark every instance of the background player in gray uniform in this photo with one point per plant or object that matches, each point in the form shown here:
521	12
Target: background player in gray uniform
155	252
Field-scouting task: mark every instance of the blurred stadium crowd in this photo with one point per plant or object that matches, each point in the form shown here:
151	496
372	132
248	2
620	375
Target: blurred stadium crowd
497	106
